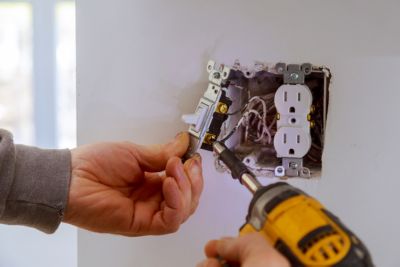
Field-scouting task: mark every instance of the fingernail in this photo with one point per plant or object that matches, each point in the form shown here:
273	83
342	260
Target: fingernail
197	157
195	167
178	135
176	138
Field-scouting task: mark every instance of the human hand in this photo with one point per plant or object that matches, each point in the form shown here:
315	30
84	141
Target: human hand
251	250
128	189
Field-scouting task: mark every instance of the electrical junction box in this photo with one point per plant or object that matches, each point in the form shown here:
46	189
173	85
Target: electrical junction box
272	116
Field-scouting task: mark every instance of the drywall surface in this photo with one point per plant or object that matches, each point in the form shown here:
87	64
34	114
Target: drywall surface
141	64
21	247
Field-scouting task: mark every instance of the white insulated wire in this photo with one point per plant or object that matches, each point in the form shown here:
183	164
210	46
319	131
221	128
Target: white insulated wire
263	130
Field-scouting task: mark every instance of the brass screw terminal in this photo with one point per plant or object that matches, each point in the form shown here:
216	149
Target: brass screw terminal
209	139
222	108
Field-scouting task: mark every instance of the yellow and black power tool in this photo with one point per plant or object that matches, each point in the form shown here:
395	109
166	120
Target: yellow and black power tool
297	225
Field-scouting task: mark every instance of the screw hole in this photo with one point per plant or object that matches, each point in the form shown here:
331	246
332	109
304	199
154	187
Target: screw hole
247	161
248	73
293	120
217	75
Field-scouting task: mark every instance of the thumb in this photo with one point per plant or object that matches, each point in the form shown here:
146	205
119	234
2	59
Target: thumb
154	158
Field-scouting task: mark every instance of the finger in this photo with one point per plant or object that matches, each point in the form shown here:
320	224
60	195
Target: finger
229	249
211	247
170	217
249	250
176	170
194	172
209	263
155	175
241	248
154	158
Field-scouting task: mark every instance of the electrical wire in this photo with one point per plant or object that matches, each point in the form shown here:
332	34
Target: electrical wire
250	110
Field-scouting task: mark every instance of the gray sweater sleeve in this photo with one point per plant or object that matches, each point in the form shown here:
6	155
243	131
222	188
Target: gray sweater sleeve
34	184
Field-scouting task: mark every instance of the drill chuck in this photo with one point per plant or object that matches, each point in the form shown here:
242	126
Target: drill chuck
237	167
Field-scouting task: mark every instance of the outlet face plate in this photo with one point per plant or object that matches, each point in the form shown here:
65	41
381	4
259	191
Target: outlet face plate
293	104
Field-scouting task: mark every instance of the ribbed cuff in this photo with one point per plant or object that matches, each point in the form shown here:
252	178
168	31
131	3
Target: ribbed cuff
39	193
7	166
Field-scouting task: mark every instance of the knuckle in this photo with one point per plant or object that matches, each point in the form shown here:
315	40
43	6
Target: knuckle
173	228
194	207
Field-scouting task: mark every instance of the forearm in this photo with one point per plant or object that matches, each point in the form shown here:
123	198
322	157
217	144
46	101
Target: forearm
34	184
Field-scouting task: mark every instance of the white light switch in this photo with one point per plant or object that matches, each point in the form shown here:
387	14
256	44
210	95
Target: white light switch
196	119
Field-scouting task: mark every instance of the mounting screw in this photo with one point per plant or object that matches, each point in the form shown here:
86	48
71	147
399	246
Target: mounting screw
294	76
280	67
279	171
293	165
217	75
306	173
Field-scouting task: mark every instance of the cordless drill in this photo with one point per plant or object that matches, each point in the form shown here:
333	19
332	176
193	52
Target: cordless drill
297	225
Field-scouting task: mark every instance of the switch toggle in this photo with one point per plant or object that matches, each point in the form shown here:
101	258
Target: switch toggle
196	119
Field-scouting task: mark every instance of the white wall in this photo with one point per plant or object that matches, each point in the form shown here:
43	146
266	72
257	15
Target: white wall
141	64
26	247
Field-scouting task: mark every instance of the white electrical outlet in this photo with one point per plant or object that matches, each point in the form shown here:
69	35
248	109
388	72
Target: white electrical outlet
293	103
292	142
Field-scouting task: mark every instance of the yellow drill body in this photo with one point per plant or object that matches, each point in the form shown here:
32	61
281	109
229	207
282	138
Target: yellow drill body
300	228
294	223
